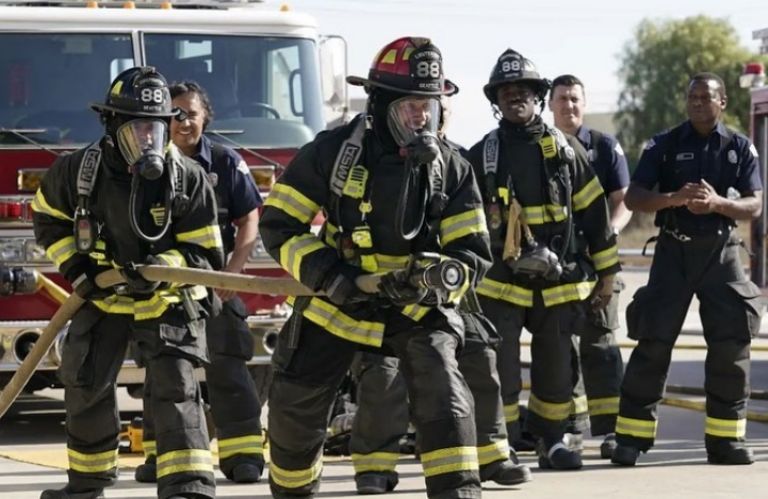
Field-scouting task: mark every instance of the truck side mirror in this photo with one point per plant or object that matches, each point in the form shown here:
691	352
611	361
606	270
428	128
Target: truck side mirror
333	71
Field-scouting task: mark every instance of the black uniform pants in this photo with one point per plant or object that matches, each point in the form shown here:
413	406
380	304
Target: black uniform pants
91	359
551	372
708	267
598	368
382	412
235	407
310	364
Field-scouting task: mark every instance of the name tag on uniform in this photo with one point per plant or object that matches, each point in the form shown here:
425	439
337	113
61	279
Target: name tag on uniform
684	156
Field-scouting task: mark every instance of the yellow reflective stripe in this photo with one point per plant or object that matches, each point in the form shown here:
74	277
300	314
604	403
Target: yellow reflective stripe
506	292
450	460
727	428
493	452
40	205
61	251
150	447
151	308
537	215
391	262
184	460
587	194
415	312
249	444
330	231
293	251
340	324
390	57
293	479
206	237
173	258
292	202
92	463
564	293
512	413
463	224
579	405
606	258
549	410
641	428
375	461
603	406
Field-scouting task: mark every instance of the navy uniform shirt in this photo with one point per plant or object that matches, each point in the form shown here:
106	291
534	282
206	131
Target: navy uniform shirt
607	158
236	192
725	159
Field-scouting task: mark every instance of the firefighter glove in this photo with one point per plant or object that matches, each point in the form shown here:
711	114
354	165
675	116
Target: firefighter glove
396	288
339	284
136	282
603	292
85	284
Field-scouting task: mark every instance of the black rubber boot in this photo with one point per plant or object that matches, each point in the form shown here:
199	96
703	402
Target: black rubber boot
147	472
608	446
505	473
722	451
68	493
558	457
375	483
625	455
246	473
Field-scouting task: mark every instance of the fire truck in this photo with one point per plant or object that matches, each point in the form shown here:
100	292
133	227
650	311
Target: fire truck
754	79
274	82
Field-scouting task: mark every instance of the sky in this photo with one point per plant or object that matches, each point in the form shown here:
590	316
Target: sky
582	37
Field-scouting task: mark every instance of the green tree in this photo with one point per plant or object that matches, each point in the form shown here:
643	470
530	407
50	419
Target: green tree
656	67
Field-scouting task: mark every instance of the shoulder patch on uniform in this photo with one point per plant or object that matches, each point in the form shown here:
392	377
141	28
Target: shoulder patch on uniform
649	145
242	167
753	150
618	150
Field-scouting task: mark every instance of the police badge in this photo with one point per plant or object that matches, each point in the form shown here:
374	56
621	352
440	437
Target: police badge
732	157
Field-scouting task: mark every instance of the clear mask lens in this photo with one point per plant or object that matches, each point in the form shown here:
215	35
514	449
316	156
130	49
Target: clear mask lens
139	137
412	115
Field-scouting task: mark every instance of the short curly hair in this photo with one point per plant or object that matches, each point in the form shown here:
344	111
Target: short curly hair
191	87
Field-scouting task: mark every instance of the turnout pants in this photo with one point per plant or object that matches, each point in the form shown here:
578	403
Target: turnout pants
92	355
310	364
551	383
597	369
235	407
382	413
709	267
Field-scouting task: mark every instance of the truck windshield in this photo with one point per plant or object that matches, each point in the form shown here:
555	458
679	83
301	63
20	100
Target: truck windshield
48	80
265	91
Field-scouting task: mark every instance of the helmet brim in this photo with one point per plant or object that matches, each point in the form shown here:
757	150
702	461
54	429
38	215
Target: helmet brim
102	108
359	81
490	88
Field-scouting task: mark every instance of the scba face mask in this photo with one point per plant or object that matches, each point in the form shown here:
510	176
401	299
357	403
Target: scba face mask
413	122
142	143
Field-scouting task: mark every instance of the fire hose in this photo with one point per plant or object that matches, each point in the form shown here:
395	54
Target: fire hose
449	269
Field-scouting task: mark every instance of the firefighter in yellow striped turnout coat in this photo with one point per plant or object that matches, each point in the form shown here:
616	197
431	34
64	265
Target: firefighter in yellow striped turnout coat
568	249
166	321
362	235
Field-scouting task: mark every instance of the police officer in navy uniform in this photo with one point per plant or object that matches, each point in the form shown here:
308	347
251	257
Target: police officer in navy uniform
708	178
390	189
235	406
552	246
134	199
598	364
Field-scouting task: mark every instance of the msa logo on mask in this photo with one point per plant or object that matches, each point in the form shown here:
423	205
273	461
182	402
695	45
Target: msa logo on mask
158	214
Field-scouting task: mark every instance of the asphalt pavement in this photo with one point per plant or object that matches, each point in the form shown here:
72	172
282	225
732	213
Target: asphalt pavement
675	468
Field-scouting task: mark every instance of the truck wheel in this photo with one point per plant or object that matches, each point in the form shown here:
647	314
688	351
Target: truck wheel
262	378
